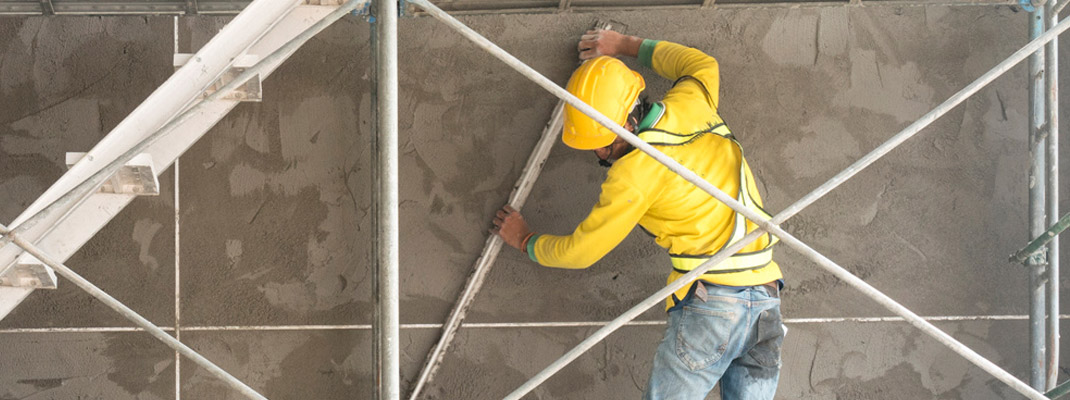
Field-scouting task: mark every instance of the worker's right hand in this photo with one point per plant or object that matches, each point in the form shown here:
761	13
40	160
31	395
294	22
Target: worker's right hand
510	225
601	42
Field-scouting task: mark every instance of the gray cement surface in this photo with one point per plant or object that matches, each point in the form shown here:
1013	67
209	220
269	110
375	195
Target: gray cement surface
275	204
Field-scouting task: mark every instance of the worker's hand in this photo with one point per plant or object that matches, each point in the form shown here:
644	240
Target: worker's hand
510	225
601	42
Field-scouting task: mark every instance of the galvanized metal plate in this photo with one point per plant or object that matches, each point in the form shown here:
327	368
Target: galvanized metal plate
251	90
28	272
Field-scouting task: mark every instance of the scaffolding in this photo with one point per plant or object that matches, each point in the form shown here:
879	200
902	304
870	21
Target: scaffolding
1040	255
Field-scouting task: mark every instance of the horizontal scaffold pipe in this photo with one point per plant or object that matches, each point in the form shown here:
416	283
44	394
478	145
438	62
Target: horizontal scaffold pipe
766	225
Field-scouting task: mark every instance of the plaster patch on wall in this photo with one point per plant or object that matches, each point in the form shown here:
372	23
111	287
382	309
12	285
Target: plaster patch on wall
886	88
321	288
934	14
256	137
940	368
17	60
90	367
245	179
234	251
832	31
254	358
824	147
225	143
294	296
310	162
792	40
144	231
10	207
49	132
299	128
839	358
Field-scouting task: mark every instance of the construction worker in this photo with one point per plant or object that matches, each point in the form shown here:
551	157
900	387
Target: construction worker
726	326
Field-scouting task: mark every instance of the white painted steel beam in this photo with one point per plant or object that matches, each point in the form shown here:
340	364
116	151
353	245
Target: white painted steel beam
275	24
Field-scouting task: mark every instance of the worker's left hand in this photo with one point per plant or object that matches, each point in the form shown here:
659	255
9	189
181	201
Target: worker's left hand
598	42
601	42
510	225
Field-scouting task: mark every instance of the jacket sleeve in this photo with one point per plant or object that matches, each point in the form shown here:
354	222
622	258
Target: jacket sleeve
620	205
695	74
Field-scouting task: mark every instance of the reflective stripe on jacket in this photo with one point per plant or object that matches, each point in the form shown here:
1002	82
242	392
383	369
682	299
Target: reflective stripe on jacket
742	261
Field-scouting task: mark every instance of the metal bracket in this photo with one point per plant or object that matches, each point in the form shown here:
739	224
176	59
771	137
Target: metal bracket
1036	248
1038	259
250	91
405	9
1041	135
137	177
1027	5
610	25
29	272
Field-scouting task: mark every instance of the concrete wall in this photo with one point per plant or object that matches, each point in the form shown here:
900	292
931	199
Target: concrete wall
276	225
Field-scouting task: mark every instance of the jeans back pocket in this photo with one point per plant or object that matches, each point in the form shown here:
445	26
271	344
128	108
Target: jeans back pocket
703	336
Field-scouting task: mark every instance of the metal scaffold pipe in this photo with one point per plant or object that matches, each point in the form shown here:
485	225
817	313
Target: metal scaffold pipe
387	252
1036	264
377	361
1052	196
91	183
134	317
767	225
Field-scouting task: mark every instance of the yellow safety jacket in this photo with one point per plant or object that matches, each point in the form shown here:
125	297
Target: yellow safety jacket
688	222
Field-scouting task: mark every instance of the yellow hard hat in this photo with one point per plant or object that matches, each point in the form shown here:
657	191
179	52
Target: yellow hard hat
611	88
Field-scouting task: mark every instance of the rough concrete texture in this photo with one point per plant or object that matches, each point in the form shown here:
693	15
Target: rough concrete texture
276	204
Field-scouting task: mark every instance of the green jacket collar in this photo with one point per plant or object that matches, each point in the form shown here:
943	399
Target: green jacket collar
652	117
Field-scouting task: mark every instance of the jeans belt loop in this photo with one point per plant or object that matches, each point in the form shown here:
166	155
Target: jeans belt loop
773	288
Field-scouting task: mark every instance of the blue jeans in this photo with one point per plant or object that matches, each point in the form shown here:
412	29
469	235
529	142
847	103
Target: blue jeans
733	337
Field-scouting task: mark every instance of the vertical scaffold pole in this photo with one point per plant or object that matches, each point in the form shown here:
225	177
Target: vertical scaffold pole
1051	67
1037	264
377	359
386	14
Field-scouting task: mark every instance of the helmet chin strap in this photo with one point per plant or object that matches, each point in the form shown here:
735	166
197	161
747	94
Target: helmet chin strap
605	163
